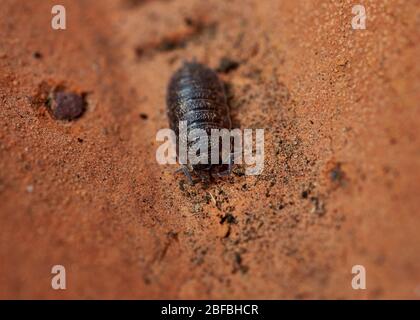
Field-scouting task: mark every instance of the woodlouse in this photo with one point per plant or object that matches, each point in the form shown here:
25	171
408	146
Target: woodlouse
196	95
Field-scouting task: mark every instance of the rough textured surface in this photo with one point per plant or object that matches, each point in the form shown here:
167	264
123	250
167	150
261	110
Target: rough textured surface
342	173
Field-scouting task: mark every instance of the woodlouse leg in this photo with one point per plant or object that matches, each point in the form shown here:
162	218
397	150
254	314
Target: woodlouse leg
228	171
187	173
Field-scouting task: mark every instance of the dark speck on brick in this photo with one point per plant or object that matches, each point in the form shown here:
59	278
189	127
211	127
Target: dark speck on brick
37	55
67	105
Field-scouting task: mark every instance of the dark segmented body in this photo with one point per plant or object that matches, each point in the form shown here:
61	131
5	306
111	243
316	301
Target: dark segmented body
196	95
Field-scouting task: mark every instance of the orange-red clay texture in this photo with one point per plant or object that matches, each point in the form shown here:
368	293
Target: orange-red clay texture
80	185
